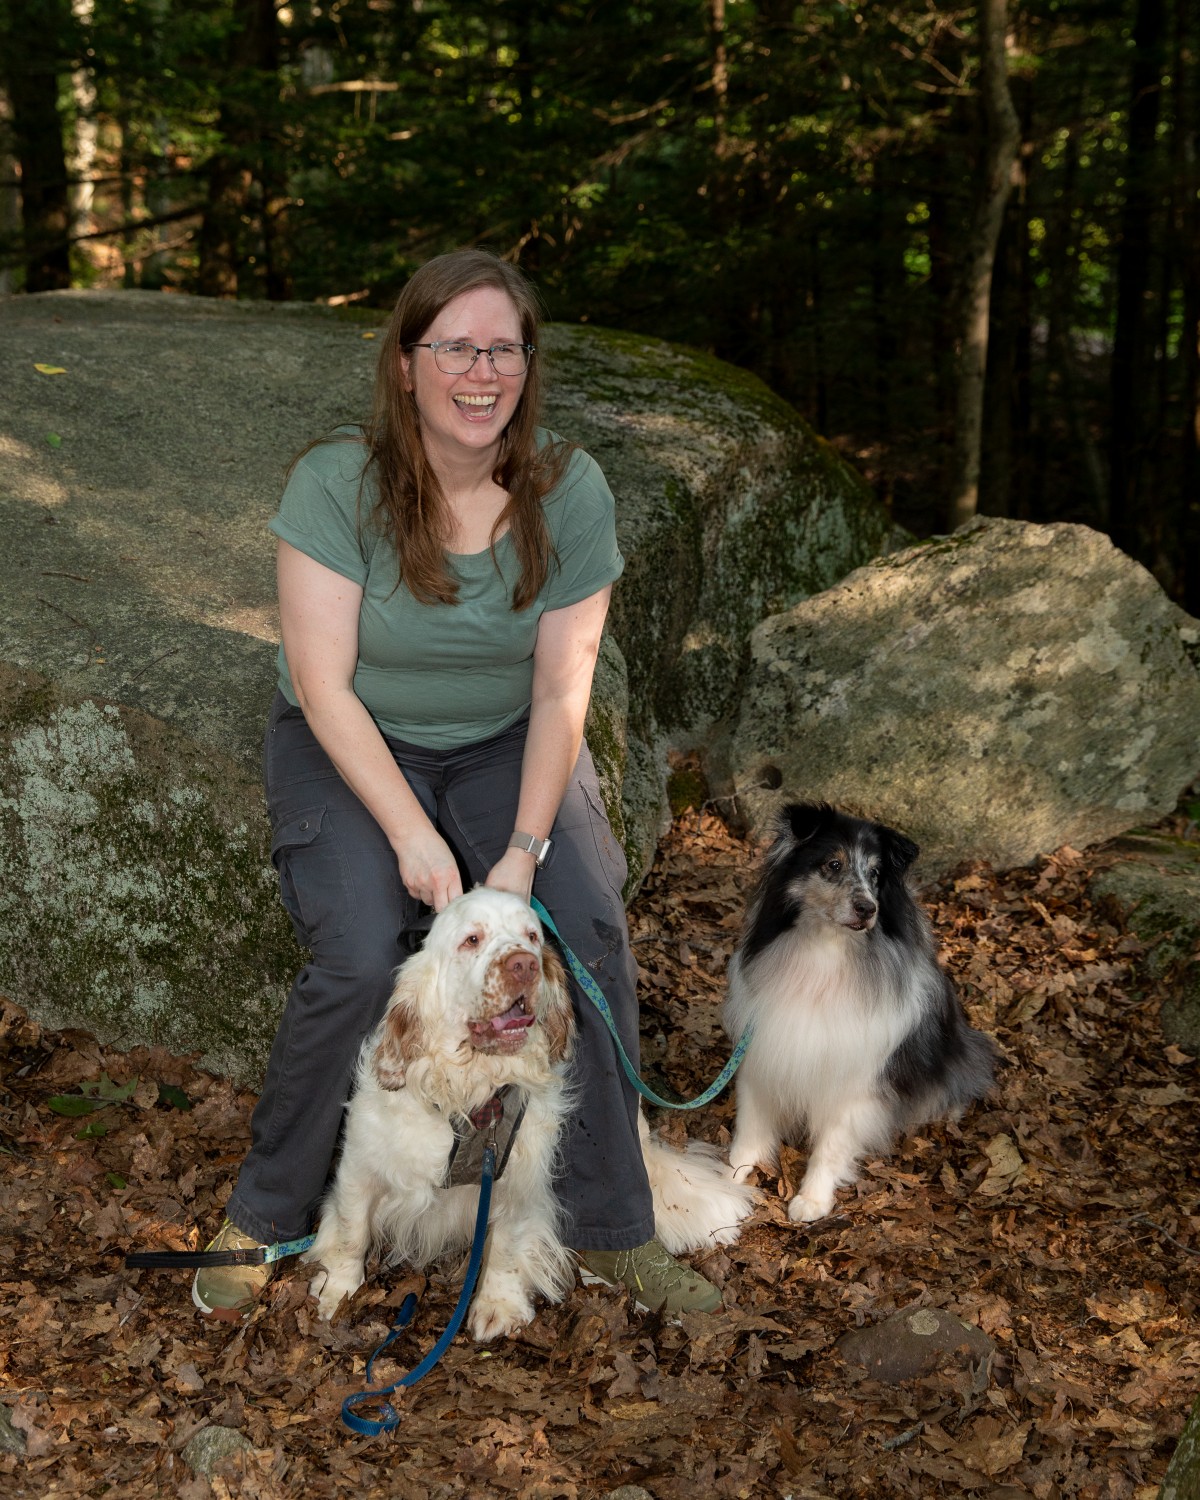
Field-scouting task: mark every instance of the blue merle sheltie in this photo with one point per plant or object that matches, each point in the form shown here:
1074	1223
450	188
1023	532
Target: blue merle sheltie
857	1032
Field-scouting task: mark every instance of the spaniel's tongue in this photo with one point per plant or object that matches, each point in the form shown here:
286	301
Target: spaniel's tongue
513	1019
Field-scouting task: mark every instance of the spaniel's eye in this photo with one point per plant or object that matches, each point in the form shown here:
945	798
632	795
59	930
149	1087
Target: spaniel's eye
532	935
470	941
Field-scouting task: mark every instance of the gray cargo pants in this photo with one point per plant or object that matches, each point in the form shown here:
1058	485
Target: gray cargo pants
341	886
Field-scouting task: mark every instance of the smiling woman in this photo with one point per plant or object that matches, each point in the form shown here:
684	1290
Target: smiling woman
444	576
464	411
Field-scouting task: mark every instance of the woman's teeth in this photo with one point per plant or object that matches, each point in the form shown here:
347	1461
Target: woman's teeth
478	402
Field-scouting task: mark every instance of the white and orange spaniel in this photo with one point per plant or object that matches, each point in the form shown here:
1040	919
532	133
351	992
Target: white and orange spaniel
483	1007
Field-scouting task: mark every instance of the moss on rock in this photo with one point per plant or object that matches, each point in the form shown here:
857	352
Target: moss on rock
1154	883
136	892
729	508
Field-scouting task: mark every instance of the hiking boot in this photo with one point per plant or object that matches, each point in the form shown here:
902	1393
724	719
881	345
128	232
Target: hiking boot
658	1281
230	1287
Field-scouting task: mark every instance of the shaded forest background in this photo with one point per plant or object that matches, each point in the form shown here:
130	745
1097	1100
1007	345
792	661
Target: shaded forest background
803	188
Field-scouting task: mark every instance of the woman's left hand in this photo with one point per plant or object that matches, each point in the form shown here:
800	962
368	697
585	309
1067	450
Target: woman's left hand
513	871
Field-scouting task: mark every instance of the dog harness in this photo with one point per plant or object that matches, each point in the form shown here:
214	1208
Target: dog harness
496	1121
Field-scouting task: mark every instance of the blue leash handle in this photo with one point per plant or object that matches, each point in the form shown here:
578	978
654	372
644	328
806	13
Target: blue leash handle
372	1427
168	1260
594	993
289	1247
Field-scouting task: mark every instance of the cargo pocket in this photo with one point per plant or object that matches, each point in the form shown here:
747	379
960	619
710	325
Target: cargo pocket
314	876
608	851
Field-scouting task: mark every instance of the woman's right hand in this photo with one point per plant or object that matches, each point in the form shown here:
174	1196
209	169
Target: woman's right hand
428	868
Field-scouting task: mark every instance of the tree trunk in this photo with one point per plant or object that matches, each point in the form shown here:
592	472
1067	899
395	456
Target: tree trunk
83	155
1187	240
237	192
941	300
1001	134
32	45
10	200
1133	353
819	400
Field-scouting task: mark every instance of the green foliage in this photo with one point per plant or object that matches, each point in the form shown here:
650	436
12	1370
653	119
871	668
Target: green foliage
792	194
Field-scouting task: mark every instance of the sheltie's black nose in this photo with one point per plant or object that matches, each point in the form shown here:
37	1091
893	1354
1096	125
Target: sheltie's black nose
864	908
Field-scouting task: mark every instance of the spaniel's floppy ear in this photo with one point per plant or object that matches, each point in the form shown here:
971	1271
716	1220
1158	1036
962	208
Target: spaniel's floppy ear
402	1036
554	1006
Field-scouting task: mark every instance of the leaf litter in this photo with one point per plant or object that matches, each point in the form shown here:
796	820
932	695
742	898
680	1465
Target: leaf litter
1061	1218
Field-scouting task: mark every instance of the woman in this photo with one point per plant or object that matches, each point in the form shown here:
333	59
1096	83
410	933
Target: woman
444	575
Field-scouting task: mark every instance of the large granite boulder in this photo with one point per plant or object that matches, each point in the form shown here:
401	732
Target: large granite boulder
1153	883
996	693
138	625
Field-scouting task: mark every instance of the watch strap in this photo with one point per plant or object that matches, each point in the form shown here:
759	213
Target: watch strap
531	844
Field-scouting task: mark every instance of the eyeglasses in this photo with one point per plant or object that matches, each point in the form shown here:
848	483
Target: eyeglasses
453	357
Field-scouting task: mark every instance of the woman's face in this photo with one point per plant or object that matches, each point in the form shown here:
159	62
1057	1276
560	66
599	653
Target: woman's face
465	414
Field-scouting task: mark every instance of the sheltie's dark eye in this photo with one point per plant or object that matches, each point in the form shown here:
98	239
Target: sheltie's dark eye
875	875
833	867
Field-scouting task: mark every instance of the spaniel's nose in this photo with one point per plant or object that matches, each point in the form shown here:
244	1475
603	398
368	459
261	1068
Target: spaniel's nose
523	967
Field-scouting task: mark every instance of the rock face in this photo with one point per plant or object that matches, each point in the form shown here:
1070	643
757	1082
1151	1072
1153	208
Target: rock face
138	624
1182	1479
1154	882
995	694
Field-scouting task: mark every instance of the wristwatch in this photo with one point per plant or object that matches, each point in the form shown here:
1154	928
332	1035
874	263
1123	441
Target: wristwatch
539	848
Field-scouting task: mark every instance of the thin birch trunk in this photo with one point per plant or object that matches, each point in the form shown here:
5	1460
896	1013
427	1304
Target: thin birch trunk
1133	338
1001	140
82	160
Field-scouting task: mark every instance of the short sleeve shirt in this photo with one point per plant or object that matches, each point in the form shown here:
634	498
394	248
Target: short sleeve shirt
443	675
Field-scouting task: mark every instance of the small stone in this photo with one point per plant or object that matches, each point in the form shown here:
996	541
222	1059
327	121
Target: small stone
914	1343
11	1441
212	1444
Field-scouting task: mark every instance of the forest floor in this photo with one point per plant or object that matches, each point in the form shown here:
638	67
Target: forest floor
1062	1217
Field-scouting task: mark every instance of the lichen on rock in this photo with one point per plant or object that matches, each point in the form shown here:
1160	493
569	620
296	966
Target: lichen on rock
136	895
995	694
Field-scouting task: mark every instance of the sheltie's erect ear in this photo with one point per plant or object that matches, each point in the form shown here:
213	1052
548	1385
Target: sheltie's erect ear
802	821
899	851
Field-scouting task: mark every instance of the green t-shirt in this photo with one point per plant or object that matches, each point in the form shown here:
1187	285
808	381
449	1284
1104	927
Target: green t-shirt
444	675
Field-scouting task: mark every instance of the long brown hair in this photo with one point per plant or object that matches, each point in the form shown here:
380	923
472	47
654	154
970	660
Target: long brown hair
411	508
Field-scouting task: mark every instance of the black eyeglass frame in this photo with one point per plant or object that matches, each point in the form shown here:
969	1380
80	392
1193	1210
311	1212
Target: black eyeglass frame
530	350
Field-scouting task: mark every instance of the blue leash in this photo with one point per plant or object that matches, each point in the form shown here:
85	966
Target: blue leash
390	1420
594	993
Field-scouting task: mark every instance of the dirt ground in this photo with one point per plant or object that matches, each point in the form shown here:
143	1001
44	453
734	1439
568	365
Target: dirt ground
1061	1218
